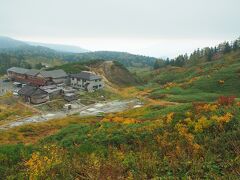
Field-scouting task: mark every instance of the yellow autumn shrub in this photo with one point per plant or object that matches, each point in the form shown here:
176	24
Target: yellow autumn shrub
222	119
169	85
169	117
120	120
201	124
209	107
40	163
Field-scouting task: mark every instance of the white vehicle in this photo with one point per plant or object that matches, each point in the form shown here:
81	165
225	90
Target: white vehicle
17	84
15	94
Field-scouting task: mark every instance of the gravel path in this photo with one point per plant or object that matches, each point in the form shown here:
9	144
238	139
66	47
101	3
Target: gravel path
90	110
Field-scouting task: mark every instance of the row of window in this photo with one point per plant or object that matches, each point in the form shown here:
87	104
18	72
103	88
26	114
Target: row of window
77	85
97	86
96	80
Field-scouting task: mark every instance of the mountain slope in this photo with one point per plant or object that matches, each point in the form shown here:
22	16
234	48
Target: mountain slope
114	74
124	58
205	81
22	54
6	42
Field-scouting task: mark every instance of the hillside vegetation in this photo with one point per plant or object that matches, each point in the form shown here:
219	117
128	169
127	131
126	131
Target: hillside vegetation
190	141
205	81
188	128
127	59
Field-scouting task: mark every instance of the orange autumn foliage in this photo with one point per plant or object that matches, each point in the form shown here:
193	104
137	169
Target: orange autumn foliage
169	117
120	120
202	107
222	119
184	133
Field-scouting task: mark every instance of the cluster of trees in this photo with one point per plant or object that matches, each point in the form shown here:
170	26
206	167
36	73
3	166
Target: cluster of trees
200	55
7	61
127	59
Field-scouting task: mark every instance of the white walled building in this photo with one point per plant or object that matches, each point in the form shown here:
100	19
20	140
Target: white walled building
87	81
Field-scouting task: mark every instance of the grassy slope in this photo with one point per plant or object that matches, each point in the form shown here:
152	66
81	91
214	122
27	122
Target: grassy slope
186	140
199	83
133	144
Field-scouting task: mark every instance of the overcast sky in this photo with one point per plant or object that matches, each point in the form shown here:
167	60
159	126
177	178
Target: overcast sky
150	27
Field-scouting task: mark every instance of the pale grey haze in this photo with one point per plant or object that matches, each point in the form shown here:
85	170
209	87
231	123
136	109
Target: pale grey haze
149	27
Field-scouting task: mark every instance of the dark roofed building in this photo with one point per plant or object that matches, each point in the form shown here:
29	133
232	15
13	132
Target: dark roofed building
33	94
17	74
32	72
36	77
57	76
86	75
86	81
18	70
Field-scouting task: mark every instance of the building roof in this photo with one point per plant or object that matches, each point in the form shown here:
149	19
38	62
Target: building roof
49	91
32	72
31	91
59	73
69	94
53	86
86	75
18	70
54	73
68	90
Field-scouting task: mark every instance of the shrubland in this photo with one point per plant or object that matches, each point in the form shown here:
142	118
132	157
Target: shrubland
199	140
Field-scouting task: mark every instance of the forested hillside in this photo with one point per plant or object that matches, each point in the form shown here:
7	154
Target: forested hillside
207	54
18	53
127	59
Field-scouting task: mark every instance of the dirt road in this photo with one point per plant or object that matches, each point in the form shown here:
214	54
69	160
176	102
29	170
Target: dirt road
90	110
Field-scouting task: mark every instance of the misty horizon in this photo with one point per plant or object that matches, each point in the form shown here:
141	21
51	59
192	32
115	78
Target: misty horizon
199	44
155	28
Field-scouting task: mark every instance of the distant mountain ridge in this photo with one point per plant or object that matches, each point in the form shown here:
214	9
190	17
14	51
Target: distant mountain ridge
16	51
60	47
10	43
6	42
127	59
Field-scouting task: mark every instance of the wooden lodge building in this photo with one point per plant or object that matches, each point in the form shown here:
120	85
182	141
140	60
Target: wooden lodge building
37	77
33	94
